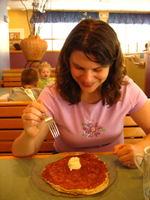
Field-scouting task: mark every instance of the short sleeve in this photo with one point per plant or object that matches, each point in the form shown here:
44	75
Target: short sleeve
137	96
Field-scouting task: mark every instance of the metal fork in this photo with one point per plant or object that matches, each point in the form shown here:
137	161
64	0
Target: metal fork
49	120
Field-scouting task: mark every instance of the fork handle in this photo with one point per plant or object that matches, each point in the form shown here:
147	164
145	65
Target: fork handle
30	94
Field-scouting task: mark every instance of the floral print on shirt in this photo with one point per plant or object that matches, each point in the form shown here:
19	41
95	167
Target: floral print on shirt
92	129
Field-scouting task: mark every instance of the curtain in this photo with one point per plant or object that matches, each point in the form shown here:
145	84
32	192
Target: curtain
129	18
118	18
56	17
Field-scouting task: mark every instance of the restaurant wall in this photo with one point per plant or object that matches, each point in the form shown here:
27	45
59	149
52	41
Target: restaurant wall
18	61
139	70
18	20
4	39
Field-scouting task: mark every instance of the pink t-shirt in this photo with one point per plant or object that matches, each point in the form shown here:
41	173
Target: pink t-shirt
87	127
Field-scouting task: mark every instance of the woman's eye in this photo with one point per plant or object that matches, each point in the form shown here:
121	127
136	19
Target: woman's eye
98	70
77	67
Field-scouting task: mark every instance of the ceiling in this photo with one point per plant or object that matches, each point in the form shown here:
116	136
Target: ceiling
142	6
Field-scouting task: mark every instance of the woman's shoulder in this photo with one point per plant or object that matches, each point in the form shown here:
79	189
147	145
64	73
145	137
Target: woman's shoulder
51	86
129	83
127	79
50	89
131	90
133	94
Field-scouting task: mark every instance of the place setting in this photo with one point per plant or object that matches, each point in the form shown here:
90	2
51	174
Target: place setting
55	169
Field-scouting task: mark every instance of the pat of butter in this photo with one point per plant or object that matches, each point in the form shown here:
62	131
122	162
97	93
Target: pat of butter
74	163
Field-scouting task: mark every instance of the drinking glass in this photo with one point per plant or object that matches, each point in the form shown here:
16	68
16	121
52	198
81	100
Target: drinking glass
145	169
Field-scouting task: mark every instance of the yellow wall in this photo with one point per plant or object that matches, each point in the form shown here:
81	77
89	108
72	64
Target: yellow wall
18	19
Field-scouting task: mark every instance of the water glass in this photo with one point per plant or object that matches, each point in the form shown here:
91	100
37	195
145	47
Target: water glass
145	169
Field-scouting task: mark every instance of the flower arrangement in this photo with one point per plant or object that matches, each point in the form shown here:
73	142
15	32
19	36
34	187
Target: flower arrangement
39	8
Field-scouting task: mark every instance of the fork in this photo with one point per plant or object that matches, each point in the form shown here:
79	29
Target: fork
49	120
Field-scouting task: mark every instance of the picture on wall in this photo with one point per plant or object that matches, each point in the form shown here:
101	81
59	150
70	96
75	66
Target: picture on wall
15	36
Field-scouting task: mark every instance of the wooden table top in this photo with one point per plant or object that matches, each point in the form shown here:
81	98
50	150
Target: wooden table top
16	179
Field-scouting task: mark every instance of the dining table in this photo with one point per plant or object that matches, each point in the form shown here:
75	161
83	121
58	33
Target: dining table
5	90
16	179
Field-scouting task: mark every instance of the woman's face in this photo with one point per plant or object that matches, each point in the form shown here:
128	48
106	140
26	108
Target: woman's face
88	74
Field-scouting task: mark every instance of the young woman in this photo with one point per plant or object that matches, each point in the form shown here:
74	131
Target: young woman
89	100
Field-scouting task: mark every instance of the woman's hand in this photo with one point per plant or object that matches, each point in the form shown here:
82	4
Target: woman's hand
31	139
33	118
126	152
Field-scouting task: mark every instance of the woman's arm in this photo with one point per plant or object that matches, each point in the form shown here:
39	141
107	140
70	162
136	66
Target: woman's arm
142	117
126	152
35	131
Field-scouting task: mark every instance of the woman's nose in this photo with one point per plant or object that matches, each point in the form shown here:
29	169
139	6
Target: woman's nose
87	77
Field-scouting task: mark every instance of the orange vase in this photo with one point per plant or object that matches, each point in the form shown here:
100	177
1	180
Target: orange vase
34	49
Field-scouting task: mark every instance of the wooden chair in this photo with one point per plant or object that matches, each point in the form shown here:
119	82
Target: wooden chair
11	127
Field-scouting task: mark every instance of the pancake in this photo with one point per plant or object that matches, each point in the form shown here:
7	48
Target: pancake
91	178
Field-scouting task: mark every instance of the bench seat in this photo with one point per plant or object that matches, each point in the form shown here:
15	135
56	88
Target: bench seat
11	127
12	77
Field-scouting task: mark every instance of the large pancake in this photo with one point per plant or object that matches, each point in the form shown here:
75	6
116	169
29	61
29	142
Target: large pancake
91	178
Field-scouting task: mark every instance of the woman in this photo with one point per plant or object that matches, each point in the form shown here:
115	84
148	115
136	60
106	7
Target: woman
89	100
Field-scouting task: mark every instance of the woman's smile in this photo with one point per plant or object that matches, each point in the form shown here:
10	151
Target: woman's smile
88	84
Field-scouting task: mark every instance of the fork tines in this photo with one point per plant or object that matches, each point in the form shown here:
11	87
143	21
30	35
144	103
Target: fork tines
53	128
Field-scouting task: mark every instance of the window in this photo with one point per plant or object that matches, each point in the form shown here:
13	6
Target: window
120	29
56	33
132	34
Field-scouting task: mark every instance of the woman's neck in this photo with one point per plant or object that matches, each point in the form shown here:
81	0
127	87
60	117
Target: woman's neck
91	98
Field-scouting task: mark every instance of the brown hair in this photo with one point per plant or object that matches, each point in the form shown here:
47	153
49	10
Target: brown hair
29	77
97	38
44	64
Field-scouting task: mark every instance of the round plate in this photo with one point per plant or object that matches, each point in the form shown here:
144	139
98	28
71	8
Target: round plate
40	183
